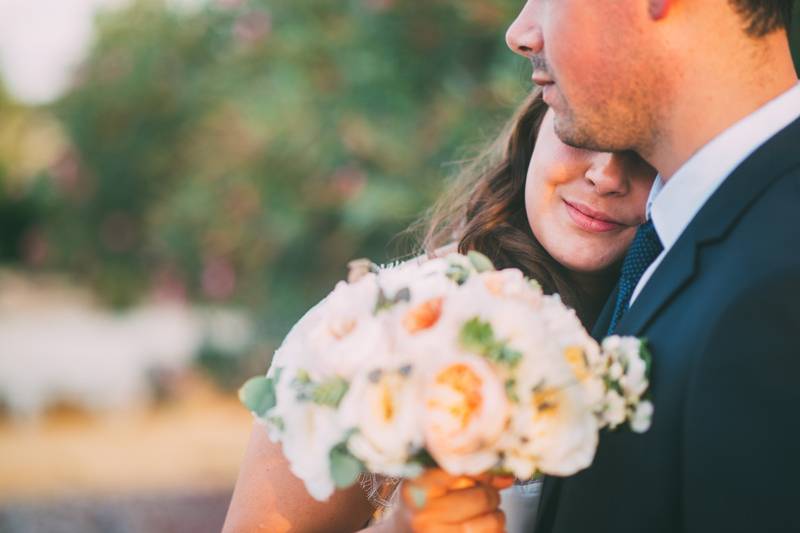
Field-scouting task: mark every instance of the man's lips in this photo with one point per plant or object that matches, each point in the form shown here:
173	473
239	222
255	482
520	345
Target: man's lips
590	219
541	78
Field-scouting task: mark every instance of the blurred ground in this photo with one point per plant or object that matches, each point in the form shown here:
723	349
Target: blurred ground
195	443
169	469
173	513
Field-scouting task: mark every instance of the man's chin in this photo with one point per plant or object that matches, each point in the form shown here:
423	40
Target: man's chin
576	136
566	130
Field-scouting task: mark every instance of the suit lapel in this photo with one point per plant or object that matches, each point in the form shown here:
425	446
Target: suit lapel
738	192
671	275
548	503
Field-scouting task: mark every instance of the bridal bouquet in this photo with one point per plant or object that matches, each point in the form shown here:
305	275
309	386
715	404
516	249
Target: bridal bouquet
447	362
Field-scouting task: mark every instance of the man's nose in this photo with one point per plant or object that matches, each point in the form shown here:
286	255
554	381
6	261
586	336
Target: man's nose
524	36
607	175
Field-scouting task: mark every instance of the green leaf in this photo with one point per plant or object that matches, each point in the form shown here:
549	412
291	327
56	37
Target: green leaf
258	395
508	355
480	261
345	468
419	495
511	391
302	376
330	392
424	458
457	273
303	385
477	336
646	355
384	302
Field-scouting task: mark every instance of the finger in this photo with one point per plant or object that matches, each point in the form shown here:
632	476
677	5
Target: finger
463	482
432	483
434	478
460	505
489	523
502	482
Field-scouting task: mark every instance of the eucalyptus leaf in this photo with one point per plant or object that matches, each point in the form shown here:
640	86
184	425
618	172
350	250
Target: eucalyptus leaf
258	395
330	392
345	468
419	495
457	273
480	261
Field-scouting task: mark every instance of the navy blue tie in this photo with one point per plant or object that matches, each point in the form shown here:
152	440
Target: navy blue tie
644	250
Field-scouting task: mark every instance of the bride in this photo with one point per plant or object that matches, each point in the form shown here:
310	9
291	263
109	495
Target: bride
563	216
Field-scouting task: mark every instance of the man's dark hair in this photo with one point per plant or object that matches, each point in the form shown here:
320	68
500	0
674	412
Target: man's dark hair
764	16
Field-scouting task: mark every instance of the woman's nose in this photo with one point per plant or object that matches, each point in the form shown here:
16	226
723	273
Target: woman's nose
524	36
607	175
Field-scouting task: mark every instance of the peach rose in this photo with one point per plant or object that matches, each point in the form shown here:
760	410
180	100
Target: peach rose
465	413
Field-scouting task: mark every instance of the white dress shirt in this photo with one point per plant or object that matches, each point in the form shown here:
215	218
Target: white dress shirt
674	204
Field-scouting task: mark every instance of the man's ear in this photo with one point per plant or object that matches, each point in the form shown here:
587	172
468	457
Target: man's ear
659	8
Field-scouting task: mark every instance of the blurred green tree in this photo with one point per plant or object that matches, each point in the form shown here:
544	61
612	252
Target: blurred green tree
246	151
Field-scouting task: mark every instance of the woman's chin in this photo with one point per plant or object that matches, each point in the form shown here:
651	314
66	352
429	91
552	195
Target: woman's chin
587	260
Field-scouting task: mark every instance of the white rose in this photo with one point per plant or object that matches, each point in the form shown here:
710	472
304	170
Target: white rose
348	336
383	406
554	420
311	431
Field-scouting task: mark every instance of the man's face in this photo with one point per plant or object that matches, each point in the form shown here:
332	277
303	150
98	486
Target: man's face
599	68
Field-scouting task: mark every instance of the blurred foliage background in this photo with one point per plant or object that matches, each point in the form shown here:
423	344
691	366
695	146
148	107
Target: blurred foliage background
243	152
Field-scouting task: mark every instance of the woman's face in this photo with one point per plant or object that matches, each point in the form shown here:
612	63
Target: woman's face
584	207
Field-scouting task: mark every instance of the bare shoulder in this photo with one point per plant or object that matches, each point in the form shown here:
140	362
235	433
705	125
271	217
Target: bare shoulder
268	497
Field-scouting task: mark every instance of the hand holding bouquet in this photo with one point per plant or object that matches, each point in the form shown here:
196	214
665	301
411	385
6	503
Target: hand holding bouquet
446	363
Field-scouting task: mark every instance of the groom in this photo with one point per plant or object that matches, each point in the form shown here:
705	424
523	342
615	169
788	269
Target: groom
705	91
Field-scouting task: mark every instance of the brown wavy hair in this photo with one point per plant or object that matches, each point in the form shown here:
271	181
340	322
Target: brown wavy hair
484	210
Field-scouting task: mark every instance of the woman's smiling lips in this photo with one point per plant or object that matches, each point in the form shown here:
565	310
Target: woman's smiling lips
591	220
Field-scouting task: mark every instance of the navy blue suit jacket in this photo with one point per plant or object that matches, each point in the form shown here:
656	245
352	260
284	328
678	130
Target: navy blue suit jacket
722	316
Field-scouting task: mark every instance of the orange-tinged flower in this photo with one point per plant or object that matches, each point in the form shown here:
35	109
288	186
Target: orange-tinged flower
340	329
465	413
467	384
423	316
495	282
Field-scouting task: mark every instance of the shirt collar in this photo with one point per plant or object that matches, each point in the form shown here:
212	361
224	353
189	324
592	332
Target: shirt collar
674	204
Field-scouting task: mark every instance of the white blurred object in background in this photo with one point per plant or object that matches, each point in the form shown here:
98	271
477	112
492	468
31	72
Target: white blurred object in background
59	347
